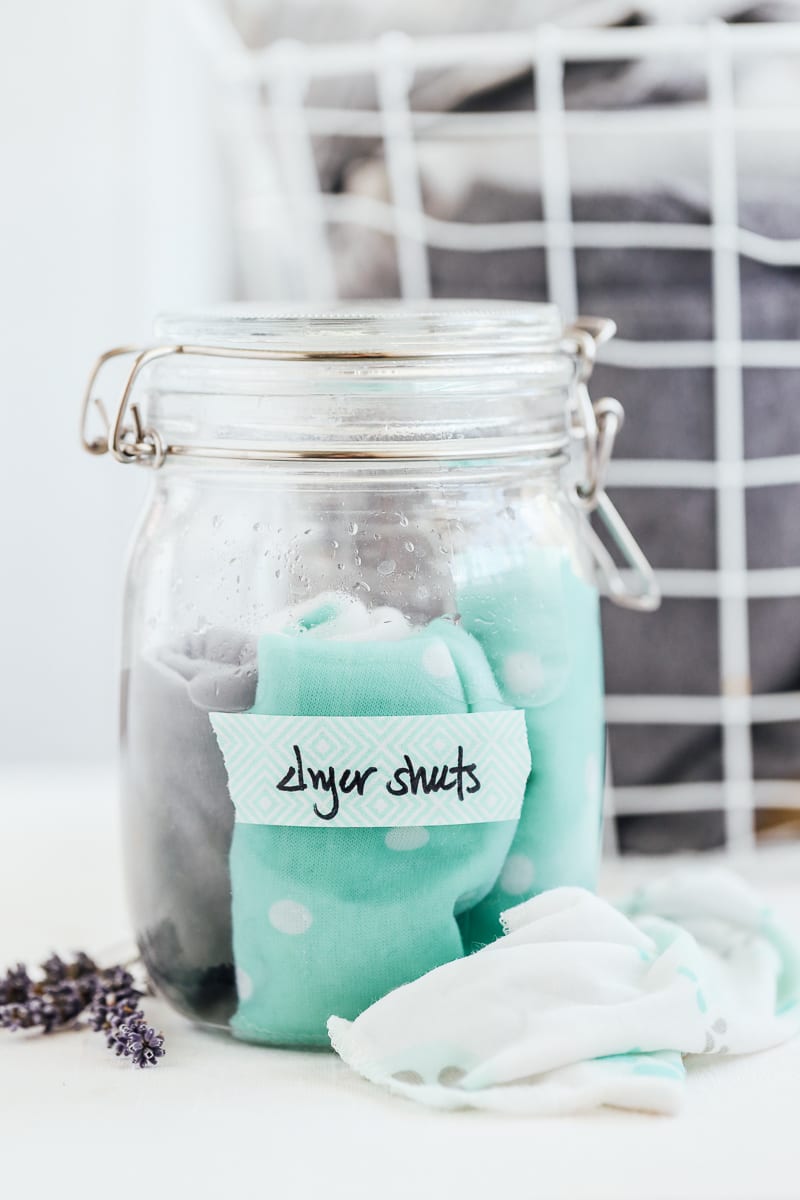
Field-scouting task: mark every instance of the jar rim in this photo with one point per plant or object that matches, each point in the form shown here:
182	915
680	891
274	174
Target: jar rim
379	328
441	379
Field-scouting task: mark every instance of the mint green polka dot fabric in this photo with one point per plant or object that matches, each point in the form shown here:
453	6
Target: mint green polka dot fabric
543	645
329	920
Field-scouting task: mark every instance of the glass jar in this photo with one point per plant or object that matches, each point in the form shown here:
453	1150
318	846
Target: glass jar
362	680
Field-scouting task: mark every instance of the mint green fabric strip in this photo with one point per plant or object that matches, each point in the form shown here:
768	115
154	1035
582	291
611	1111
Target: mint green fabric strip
328	920
545	651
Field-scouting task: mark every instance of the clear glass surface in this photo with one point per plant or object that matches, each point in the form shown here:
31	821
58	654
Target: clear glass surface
236	568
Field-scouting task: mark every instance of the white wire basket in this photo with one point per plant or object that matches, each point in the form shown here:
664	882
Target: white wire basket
299	235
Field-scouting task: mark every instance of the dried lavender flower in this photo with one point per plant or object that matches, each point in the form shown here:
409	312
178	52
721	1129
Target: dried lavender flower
122	1031
144	1046
65	992
17	1016
110	1008
14	988
57	971
51	1006
115	979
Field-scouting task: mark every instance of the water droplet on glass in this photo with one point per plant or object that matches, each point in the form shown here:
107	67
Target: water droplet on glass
387	566
362	586
352	527
409	546
403	519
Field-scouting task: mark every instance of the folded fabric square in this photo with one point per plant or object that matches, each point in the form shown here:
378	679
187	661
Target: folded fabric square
580	1005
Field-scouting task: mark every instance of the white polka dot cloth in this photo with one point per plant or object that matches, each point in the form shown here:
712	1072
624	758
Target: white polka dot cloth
581	1004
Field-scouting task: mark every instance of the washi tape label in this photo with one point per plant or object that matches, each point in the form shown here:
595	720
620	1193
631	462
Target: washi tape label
374	771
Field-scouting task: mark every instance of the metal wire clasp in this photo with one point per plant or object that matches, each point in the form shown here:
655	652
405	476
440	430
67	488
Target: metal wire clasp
127	442
596	426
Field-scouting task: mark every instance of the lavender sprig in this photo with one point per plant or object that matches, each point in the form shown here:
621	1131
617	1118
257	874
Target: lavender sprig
50	1003
68	991
57	971
115	999
136	1040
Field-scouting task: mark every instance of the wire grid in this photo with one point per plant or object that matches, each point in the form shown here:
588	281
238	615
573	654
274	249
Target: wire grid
289	207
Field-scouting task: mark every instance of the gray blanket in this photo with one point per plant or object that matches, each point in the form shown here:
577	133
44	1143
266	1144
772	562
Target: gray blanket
664	296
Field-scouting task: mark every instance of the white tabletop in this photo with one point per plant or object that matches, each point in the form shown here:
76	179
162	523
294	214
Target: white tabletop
222	1119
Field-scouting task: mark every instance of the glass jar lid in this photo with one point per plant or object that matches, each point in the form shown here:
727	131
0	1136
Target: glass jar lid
381	329
445	380
386	379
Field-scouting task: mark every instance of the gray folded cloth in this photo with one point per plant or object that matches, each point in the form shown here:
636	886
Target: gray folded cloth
177	815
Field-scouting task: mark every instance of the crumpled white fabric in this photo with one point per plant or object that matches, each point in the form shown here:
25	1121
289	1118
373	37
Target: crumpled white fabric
581	1004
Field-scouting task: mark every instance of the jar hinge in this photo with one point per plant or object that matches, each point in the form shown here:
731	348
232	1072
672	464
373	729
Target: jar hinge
129	441
596	425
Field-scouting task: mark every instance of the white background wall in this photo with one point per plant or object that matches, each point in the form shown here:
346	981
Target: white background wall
109	210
